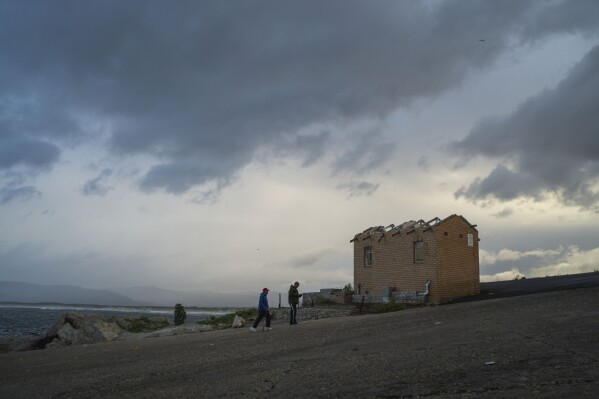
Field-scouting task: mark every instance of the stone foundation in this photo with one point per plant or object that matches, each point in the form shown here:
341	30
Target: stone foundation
313	313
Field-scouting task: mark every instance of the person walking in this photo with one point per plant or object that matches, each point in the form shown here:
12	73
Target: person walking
293	299
262	311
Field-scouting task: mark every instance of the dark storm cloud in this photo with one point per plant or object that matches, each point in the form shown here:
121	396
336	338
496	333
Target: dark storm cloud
309	148
549	144
364	152
176	177
30	153
204	85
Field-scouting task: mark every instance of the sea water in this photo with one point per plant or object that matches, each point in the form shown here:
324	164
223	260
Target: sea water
35	319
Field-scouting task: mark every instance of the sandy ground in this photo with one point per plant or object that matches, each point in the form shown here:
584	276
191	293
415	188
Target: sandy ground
534	346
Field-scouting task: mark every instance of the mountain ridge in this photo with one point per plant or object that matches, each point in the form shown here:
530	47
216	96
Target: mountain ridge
24	292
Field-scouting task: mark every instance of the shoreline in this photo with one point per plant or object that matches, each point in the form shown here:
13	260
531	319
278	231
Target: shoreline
489	290
537	345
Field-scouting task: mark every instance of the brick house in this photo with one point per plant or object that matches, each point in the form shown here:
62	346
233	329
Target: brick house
434	261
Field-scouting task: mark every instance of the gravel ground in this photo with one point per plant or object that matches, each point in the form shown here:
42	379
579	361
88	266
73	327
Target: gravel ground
540	345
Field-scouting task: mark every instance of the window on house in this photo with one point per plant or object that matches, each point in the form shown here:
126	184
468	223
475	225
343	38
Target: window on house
418	251
368	256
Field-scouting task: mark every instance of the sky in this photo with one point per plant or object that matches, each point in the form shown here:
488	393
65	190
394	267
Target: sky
230	146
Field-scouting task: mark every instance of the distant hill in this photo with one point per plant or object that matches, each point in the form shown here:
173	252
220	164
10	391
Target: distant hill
163	297
13	291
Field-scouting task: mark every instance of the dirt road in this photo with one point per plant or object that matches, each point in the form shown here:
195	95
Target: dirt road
534	346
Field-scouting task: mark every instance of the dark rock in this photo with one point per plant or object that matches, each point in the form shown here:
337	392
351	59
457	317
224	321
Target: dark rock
20	343
55	343
76	328
141	324
53	331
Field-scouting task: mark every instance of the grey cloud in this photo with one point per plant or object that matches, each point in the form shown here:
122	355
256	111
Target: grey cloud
366	152
308	147
551	142
206	82
30	153
504	213
96	186
178	177
562	17
207	196
357	189
531	263
524	265
311	258
503	184
424	163
364	157
15	192
31	129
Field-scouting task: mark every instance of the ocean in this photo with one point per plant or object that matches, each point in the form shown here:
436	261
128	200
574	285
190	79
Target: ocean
18	319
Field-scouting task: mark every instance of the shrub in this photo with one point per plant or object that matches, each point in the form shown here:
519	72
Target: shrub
180	314
348	289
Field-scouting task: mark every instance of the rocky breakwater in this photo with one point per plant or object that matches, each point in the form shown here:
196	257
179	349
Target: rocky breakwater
80	329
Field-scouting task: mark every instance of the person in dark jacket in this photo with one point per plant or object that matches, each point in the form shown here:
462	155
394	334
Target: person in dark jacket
262	311
293	299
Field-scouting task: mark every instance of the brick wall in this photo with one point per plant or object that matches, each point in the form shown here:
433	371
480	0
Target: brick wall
458	264
393	263
449	263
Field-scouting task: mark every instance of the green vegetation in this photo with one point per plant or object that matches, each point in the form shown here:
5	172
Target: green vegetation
180	314
227	319
348	289
392	306
519	277
145	323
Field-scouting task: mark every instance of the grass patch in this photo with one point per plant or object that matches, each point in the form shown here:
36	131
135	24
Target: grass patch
145	323
227	319
387	307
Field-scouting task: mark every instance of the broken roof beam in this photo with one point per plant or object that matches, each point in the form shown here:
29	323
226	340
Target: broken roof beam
435	219
429	226
413	227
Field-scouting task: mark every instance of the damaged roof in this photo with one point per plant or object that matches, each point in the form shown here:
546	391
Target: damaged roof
406	227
